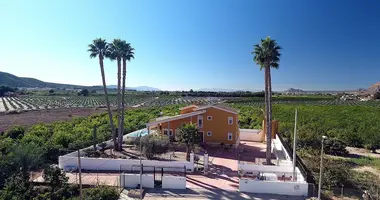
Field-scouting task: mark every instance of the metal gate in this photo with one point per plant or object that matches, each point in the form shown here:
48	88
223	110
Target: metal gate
157	174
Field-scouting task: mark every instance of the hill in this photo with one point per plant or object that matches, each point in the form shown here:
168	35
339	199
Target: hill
15	81
137	88
294	90
11	80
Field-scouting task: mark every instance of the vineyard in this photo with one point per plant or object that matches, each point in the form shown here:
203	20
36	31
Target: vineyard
330	102
25	103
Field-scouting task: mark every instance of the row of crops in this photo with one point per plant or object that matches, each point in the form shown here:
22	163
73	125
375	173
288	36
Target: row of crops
332	102
53	102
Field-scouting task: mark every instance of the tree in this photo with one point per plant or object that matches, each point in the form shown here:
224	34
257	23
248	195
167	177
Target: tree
115	54
55	177
267	55
84	92
17	187
188	134
153	145
15	132
99	48
51	91
127	54
26	157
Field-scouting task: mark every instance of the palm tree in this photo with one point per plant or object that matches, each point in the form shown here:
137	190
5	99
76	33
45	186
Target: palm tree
99	48
127	53
267	55
115	54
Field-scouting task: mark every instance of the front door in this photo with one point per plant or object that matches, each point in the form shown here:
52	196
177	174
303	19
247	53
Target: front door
201	133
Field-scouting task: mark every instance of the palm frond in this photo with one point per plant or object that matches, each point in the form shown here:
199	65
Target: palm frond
267	52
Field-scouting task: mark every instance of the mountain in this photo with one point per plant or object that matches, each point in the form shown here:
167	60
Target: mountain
294	90
137	88
143	88
15	81
374	88
217	90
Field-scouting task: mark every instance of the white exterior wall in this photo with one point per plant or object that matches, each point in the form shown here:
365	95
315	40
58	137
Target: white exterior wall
68	163
132	180
253	135
174	182
273	187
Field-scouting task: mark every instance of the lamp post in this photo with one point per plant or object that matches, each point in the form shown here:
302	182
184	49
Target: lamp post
321	169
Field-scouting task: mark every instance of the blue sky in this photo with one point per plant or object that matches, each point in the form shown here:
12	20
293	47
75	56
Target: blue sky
327	45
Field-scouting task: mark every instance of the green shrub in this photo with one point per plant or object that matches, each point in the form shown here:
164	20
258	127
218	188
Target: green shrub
153	144
101	193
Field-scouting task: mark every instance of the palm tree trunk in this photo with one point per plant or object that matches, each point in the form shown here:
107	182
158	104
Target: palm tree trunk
122	103
118	100
267	122
107	102
270	108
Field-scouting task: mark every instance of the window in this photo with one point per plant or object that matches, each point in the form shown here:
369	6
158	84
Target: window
209	118
200	121
230	120
165	131
209	133
170	132
229	136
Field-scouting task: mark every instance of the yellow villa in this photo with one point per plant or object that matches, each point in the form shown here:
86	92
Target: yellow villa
216	124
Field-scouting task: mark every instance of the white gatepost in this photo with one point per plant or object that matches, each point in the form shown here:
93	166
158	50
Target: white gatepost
205	163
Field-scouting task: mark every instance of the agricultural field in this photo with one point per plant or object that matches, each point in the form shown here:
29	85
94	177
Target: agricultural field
27	103
305	101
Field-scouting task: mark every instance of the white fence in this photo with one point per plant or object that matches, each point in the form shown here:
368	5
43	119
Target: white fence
174	182
69	162
168	181
273	187
253	135
133	180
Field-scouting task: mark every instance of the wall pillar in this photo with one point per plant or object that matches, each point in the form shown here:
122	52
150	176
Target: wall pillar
192	157
205	163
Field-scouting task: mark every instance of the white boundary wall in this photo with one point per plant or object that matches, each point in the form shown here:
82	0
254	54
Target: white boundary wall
174	182
278	145
278	170
253	135
273	187
69	162
132	180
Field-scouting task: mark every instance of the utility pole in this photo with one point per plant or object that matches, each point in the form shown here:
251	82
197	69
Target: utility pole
141	169
80	176
95	139
294	147
321	169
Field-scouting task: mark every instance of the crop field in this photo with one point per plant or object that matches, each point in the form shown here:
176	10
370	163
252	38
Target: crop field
329	102
25	103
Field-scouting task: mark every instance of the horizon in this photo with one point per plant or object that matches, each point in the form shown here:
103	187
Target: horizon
195	45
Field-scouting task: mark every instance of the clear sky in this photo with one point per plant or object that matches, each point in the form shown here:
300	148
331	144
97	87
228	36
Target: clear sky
327	45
